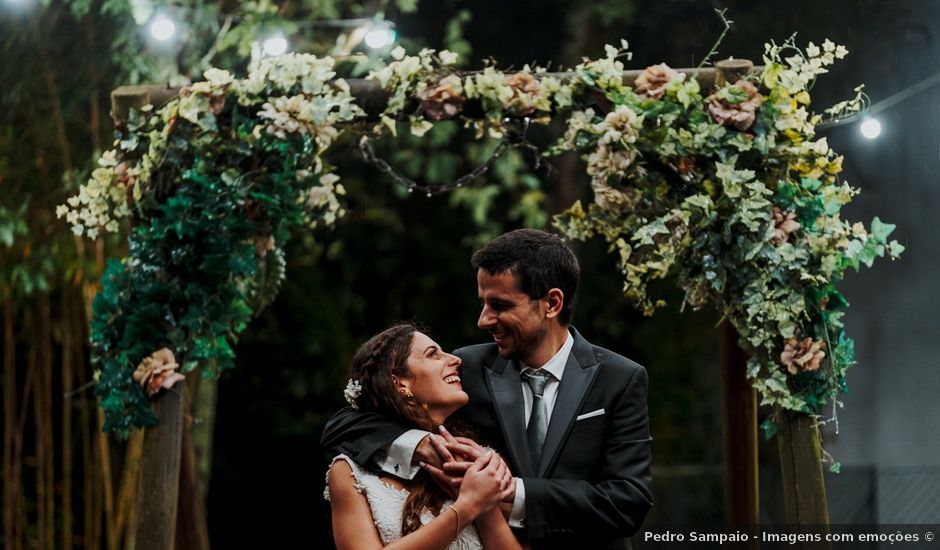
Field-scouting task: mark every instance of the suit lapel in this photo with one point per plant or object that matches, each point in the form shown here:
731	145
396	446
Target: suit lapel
580	371
502	380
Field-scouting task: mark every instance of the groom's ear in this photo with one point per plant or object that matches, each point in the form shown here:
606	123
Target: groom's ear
554	301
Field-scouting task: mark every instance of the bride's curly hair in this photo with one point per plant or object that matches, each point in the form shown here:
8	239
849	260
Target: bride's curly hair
375	362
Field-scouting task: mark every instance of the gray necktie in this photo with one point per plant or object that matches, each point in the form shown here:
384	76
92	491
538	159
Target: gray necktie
538	420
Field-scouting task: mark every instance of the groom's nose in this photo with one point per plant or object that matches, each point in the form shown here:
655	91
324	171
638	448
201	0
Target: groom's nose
487	320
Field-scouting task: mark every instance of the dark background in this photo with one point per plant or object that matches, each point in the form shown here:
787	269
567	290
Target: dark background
268	468
397	256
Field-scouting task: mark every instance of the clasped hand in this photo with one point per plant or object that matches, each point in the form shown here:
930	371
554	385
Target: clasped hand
460	466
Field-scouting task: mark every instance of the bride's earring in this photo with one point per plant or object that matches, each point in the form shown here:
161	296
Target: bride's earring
406	393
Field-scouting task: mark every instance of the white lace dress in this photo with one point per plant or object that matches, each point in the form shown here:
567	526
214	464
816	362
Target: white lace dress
388	504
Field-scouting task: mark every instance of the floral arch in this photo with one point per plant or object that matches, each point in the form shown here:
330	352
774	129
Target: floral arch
729	190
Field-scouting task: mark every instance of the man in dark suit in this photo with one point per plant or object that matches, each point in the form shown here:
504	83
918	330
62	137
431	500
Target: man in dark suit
571	417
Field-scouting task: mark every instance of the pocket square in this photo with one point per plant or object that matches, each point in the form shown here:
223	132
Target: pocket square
591	414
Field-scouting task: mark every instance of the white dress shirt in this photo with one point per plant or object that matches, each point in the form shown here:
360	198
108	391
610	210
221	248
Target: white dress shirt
397	459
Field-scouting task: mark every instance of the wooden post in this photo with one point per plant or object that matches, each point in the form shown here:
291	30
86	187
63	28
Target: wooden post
739	399
125	98
739	432
804	488
160	473
192	532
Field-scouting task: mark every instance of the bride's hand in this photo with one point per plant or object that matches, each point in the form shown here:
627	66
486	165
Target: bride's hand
483	485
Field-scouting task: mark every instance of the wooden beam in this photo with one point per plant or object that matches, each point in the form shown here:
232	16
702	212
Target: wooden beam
125	98
739	399
373	99
739	432
160	473
192	531
804	488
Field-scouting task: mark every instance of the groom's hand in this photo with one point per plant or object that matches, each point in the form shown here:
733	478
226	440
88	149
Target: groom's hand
432	450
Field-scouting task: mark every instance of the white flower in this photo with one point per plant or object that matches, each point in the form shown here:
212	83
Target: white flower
352	392
447	57
218	77
812	50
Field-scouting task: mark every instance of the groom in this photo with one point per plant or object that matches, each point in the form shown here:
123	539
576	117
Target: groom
571	417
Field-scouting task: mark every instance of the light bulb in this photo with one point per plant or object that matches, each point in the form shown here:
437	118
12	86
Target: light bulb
379	37
162	28
870	128
275	46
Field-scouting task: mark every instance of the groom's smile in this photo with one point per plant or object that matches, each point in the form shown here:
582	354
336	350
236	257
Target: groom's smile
513	319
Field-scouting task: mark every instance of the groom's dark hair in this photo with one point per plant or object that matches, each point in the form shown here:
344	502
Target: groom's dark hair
540	261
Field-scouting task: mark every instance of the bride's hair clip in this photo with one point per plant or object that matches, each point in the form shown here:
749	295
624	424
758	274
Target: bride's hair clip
352	392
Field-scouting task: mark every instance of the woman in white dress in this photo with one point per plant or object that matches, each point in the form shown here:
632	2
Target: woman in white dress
405	375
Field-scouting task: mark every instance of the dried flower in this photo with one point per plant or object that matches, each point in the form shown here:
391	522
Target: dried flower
352	392
802	355
609	198
784	224
443	101
157	371
263	245
525	92
735	105
654	79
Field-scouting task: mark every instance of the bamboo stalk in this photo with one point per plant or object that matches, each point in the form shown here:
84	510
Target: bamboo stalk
88	461
94	114
55	100
107	484
48	433
67	380
39	421
130	479
9	419
18	493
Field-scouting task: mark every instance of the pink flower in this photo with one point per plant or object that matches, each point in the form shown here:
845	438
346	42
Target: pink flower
735	106
654	79
802	355
157	371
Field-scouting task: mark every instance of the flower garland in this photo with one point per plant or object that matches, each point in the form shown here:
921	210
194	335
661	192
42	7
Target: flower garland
729	192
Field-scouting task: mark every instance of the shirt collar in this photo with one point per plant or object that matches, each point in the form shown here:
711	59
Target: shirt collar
556	365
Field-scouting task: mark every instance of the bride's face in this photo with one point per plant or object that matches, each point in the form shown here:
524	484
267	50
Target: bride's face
432	378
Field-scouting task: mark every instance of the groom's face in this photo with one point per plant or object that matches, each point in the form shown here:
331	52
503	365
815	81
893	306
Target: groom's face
516	322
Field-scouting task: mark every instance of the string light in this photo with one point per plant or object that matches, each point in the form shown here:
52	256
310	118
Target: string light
379	36
275	46
870	128
162	28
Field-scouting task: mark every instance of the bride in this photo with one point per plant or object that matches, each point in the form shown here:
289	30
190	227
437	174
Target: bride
403	374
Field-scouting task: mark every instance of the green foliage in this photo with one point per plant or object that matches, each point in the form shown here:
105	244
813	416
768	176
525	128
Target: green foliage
730	194
734	197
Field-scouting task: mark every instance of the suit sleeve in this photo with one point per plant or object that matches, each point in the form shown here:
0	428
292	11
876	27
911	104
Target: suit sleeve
617	505
359	434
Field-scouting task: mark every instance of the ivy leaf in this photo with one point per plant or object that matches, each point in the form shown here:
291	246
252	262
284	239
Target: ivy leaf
881	230
810	184
770	428
871	250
